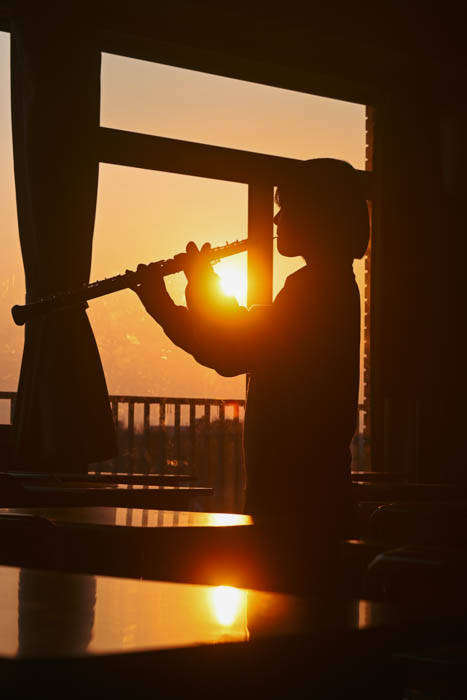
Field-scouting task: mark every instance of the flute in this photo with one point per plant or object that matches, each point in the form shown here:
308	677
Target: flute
75	297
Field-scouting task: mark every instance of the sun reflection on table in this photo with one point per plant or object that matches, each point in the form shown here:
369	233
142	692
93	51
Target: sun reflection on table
229	608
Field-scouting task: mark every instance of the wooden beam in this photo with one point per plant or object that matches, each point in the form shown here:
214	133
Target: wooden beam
200	160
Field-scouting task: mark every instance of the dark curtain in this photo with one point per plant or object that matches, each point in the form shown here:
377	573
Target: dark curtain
410	251
62	419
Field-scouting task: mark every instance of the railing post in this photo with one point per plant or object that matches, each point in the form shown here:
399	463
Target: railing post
163	436
131	434
220	458
237	457
146	447
178	450
205	470
116	462
12	408
192	452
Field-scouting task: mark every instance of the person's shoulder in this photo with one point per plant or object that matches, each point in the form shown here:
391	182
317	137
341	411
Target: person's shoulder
299	278
295	290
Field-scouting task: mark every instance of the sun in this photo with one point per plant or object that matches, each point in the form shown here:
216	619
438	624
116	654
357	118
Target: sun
233	285
233	279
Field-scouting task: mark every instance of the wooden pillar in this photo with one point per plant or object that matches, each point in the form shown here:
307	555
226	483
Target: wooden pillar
260	232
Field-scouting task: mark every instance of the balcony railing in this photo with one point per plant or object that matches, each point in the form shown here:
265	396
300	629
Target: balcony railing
200	437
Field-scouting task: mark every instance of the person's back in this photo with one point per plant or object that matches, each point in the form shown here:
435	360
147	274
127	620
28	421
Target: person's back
302	400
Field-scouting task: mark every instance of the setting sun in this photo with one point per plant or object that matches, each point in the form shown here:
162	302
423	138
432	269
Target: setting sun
233	279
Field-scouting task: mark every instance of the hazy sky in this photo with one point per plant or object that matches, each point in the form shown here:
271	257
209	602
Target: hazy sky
144	215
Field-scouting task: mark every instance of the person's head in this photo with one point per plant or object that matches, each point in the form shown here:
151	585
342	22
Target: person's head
323	213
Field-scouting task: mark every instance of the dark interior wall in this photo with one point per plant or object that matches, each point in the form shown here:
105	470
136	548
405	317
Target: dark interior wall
452	270
347	51
419	295
405	348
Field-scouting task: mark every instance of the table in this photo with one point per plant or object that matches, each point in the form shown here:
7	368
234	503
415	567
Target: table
115	495
99	478
179	545
132	517
209	548
89	635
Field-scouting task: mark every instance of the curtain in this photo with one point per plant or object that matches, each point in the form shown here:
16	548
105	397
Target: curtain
62	418
411	247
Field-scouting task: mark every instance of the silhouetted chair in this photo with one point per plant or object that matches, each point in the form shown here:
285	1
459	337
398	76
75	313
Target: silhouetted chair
364	511
11	491
354	558
422	522
436	673
427	576
418	573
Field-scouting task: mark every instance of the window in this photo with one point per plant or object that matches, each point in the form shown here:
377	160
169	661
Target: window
11	266
143	216
184	156
179	120
151	98
175	103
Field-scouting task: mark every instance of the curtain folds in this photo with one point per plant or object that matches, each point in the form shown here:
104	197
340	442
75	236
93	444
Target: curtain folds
62	419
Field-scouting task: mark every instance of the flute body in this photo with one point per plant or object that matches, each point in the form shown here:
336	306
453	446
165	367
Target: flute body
75	297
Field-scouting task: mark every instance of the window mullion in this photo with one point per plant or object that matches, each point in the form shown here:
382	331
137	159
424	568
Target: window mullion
260	246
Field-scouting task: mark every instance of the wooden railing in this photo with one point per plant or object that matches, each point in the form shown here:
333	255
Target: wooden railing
200	437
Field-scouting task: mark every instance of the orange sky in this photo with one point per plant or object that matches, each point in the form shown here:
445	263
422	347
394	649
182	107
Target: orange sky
144	215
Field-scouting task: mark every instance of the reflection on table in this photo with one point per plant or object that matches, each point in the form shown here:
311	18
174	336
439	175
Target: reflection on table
93	636
50	614
133	517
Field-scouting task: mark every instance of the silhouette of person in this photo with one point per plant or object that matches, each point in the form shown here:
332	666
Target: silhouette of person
301	352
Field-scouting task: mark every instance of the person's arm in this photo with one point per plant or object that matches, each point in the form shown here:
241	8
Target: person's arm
214	329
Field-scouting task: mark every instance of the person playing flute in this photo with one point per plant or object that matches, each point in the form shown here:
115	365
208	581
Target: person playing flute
301	352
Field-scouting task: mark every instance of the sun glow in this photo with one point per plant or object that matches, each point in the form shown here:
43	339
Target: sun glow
233	279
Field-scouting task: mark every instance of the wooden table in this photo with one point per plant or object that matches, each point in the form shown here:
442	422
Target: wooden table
179	545
208	548
98	478
92	636
115	495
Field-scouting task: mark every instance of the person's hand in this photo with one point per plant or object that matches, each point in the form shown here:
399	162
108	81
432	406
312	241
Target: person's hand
203	284
149	285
